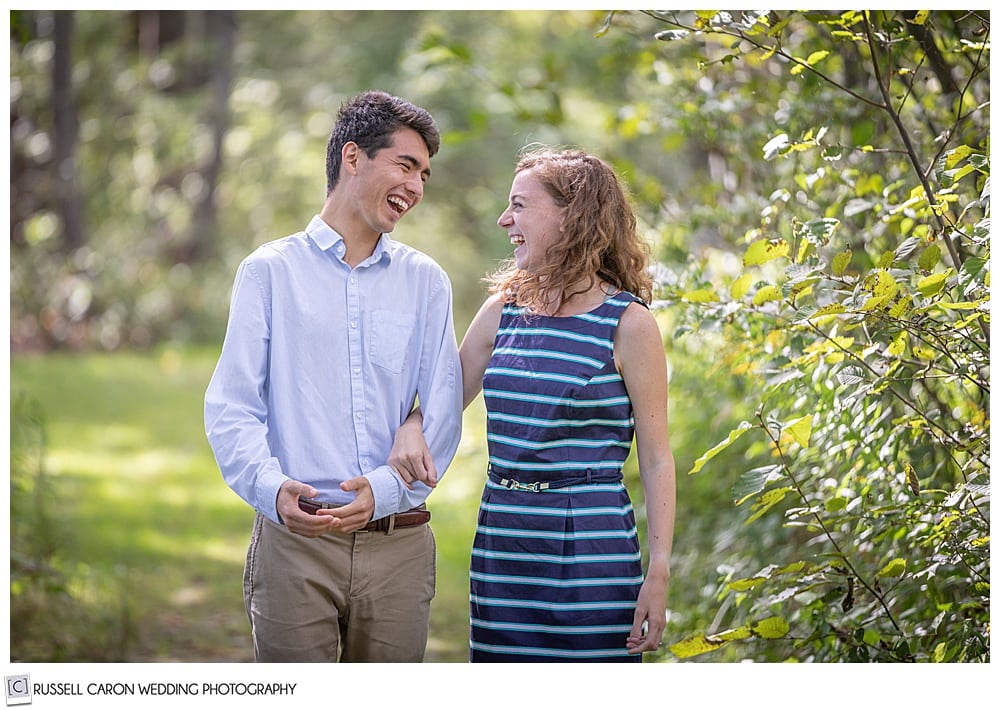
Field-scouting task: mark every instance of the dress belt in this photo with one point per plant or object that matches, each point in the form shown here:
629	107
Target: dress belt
588	476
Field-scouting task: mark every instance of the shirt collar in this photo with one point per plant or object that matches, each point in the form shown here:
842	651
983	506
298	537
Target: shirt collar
326	238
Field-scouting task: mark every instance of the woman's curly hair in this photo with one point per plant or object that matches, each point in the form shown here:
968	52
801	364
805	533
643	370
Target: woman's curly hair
599	237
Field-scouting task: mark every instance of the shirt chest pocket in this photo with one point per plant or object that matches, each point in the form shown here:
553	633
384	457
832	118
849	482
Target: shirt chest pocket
391	333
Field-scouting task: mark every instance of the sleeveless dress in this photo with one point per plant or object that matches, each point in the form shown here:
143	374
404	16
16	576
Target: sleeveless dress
556	566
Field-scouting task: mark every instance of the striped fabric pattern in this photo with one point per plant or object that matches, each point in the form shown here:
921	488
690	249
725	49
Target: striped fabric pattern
555	573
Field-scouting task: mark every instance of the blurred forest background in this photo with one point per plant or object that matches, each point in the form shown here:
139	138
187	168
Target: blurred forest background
815	186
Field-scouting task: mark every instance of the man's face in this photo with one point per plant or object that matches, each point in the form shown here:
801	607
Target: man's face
391	183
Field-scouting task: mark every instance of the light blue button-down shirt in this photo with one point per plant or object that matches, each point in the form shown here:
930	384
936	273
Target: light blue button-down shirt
321	363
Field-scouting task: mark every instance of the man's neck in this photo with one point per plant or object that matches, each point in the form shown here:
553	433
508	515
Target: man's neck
359	240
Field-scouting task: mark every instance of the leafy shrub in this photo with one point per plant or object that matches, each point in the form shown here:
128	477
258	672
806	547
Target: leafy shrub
859	318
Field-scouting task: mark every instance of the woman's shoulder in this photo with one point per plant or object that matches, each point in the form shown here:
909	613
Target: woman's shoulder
636	319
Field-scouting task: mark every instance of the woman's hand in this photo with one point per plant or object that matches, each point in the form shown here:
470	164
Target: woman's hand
650	619
410	457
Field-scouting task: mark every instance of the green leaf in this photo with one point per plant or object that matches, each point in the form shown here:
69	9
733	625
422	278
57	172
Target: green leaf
932	285
773	627
825	314
740	286
900	307
765	250
881	284
960	305
929	258
800	430
695	645
898	345
894	568
767	501
817	57
841	261
721	446
862	132
766	294
742	585
738	634
703	295
911	478
818	231
754	481
835	504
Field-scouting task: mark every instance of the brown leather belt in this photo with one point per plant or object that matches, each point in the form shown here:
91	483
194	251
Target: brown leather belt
407	519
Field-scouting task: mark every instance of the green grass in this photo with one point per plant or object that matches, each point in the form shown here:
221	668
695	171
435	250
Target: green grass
136	502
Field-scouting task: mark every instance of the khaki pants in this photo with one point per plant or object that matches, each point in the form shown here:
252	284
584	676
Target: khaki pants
352	598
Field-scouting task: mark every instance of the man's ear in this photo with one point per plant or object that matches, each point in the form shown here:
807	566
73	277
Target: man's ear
349	156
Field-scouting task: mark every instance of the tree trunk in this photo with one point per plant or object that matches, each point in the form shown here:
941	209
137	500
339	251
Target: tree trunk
65	185
221	38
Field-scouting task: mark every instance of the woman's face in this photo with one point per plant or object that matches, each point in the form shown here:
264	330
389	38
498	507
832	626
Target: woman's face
533	221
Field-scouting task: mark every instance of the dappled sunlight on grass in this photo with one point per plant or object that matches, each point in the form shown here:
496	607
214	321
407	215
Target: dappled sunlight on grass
225	551
129	463
139	506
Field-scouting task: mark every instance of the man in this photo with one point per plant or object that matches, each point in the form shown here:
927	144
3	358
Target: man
333	335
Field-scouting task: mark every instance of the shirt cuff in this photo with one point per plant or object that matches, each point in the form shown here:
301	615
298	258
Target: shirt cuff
268	485
385	487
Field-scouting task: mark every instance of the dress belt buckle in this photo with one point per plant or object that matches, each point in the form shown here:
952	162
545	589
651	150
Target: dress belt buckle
513	485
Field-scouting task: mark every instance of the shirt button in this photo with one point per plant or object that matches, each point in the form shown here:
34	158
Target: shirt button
354	324
357	370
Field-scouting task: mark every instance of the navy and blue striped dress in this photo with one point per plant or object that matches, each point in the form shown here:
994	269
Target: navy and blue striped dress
556	567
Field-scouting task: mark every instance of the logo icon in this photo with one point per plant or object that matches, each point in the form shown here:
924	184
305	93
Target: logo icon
18	688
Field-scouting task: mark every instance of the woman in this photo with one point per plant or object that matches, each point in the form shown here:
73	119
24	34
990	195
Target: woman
571	365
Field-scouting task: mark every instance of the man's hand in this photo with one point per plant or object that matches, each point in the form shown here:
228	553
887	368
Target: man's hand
298	521
356	514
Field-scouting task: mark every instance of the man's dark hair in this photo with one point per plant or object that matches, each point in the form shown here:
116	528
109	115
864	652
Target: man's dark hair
370	119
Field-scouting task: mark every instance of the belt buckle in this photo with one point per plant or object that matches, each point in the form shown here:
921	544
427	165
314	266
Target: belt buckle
513	485
383	525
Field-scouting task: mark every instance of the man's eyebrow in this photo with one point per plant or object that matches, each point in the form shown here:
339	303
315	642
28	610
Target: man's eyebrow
415	163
